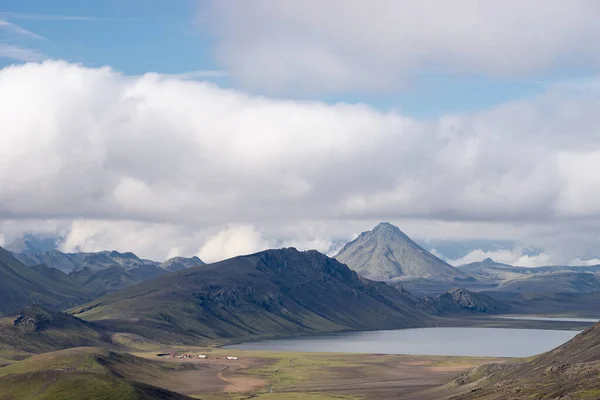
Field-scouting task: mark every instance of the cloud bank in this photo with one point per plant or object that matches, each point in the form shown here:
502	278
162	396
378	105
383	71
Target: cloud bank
350	45
162	165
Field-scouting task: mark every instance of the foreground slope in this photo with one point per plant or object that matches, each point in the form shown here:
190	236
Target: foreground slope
275	292
570	371
386	253
84	373
21	286
36	330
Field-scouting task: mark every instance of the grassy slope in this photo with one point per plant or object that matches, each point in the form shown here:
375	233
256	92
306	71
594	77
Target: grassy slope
277	292
21	286
53	331
83	373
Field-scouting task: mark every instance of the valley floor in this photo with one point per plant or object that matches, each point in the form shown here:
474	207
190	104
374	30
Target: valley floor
273	375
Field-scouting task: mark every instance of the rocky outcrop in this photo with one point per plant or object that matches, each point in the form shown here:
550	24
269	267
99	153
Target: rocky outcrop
459	300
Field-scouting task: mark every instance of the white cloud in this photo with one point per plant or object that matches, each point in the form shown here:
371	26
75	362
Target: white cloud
514	257
348	45
16	29
156	165
20	53
231	242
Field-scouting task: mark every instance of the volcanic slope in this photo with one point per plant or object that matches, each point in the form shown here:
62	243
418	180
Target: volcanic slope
386	253
568	372
275	292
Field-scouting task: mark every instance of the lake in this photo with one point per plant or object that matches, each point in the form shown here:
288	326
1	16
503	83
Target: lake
484	342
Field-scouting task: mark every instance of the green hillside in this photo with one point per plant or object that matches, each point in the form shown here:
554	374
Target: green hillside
36	330
84	373
21	286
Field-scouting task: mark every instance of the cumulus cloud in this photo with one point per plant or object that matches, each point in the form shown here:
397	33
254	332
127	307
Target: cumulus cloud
342	45
158	164
231	242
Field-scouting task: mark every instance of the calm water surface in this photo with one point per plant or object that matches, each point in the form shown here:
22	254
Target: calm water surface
492	342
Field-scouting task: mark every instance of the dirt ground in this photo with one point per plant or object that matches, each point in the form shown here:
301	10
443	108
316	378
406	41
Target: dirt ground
258	374
394	377
213	376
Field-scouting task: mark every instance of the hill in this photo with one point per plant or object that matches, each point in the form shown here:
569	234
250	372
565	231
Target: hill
275	292
85	373
386	253
21	286
36	330
457	301
568	372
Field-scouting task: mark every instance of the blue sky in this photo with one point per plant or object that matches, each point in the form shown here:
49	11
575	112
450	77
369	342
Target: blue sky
139	36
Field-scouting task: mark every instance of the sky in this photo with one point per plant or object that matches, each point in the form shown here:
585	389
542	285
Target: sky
218	128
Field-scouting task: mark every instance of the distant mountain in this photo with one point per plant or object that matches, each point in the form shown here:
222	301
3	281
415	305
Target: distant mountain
114	278
540	280
73	262
490	270
103	271
76	262
275	292
568	372
53	259
179	263
32	243
386	253
458	300
568	282
21	286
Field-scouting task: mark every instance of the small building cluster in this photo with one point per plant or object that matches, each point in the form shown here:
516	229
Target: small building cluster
187	355
199	356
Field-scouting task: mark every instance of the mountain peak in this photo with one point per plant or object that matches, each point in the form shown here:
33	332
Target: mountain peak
386	227
488	261
387	253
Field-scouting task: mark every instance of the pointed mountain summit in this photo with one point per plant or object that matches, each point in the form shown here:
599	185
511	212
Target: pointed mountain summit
386	253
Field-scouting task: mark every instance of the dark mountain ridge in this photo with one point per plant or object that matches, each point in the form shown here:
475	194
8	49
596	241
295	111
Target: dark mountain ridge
275	292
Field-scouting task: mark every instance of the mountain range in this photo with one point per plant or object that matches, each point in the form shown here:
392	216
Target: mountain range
386	253
75	262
